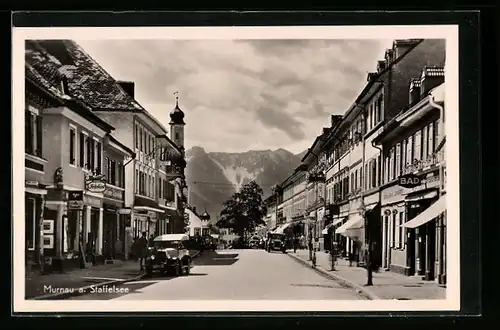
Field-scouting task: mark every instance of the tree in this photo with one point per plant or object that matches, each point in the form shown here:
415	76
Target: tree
244	211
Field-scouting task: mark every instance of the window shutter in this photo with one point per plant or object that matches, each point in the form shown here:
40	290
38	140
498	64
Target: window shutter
28	131
39	134
98	157
106	168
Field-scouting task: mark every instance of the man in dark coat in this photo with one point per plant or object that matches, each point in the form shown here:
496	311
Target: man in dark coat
142	248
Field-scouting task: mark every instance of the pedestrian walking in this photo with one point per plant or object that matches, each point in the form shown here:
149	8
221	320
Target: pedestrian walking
142	247
295	243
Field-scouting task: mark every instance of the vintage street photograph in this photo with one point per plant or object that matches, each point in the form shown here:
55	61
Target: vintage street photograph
181	169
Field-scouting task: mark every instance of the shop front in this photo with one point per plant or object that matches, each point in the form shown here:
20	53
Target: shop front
413	225
34	199
113	223
425	230
344	243
374	231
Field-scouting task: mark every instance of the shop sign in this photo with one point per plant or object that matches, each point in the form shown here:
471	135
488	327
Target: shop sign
75	200
409	180
112	192
95	183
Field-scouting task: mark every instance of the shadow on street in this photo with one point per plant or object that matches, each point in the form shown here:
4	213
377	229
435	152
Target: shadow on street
213	258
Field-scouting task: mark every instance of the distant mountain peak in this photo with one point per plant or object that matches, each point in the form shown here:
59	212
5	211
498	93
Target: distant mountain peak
215	176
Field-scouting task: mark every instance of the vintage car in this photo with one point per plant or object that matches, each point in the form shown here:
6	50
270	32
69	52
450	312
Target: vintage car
276	242
169	255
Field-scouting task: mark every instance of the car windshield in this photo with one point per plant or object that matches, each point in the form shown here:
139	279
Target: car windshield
166	244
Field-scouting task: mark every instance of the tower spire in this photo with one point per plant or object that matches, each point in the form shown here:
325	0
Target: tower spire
176	93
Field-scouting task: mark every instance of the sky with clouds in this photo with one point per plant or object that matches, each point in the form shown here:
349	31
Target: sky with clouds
241	95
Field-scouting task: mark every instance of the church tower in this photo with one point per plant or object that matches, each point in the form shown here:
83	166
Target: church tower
177	124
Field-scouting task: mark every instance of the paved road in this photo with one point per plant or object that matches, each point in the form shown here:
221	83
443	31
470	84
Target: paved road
236	275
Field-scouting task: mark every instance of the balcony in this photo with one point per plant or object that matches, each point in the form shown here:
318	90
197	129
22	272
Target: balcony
114	192
34	161
419	165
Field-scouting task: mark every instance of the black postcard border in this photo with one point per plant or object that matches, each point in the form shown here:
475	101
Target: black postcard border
470	152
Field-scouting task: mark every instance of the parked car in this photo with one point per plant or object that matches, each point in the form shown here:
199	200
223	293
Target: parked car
168	255
276	242
255	242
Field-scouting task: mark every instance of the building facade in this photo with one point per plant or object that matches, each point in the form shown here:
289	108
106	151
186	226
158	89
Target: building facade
414	218
139	168
115	243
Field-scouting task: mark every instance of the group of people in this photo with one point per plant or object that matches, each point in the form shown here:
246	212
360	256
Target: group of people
139	248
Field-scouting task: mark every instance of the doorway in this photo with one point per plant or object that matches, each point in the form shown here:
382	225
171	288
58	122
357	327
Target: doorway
109	234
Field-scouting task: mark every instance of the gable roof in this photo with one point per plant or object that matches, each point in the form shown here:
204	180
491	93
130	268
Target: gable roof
47	85
87	80
172	143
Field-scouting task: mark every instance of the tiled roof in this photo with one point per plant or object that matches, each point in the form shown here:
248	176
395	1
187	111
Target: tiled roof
35	77
87	80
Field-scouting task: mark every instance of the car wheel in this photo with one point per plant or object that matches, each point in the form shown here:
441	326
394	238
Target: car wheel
188	268
178	269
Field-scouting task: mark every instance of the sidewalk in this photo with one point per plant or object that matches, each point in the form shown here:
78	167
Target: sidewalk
386	285
43	287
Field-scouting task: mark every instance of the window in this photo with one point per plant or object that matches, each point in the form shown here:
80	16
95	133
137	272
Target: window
144	138
136	136
33	132
30	210
141	145
425	142
430	134
112	172
398	160
393	243
352	182
409	151
400	230
417	145
379	170
107	169
137	181
98	164
391	164
380	106
436	134
374	173
120	175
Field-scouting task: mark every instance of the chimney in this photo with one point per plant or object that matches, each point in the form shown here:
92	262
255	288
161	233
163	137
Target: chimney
414	90
388	56
194	210
336	120
432	76
401	46
325	130
370	76
128	87
381	66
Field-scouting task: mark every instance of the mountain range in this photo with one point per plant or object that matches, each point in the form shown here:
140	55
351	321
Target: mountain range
213	177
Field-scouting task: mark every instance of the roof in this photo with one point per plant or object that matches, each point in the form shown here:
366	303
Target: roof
87	80
171	237
176	147
40	71
112	138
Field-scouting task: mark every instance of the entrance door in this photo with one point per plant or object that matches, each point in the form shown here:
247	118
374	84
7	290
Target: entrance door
430	251
109	235
410	251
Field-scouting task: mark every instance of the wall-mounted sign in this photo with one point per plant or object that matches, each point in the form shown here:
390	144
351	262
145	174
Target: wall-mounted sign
409	181
48	226
95	183
75	200
48	241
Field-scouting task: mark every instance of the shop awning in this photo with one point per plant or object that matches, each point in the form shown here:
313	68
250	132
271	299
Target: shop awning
353	227
428	214
282	228
421	195
339	220
148	208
